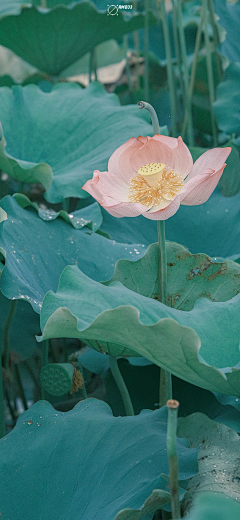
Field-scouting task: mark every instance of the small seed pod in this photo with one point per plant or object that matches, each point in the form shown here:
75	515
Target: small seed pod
57	378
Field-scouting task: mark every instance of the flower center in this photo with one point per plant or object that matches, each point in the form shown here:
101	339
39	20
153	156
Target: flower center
155	183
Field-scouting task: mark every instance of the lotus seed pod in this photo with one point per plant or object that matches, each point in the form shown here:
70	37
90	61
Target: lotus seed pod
57	378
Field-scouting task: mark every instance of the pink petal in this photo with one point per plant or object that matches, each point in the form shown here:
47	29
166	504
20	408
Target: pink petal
125	165
211	160
151	151
171	142
200	188
178	158
182	159
142	139
116	164
164	214
91	186
124	209
114	187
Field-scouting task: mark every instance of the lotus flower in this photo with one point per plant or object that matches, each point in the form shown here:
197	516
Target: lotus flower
152	176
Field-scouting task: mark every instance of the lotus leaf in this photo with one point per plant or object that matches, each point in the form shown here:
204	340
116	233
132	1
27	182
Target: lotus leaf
226	106
229	18
218	456
56	38
37	250
117	320
84	463
189	277
216	506
90	216
60	137
13	67
157	500
107	53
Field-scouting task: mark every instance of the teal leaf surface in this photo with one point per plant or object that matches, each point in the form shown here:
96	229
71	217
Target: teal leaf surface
37	250
124	323
60	137
56	38
216	506
157	500
85	463
218	457
229	18
189	277
227	104
90	216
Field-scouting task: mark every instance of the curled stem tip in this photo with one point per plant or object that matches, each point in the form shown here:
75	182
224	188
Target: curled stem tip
152	112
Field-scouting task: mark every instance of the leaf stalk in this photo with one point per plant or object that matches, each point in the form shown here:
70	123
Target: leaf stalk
172	456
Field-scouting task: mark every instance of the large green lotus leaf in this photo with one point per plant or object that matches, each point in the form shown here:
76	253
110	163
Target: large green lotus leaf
214	506
37	250
124	323
85	463
56	38
157	500
106	53
60	137
13	66
189	277
229	18
218	456
227	105
89	216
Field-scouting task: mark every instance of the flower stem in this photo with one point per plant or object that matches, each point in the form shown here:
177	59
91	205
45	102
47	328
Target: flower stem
162	263
92	65
178	4
193	71
136	48
215	37
178	53
6	332
146	51
44	361
128	68
165	390
121	385
20	386
66	204
2	416
172	456
209	71
170	74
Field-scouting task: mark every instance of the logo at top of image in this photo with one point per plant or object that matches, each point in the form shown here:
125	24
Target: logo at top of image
112	10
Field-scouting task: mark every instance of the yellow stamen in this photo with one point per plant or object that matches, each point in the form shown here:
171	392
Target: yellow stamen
77	380
155	183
